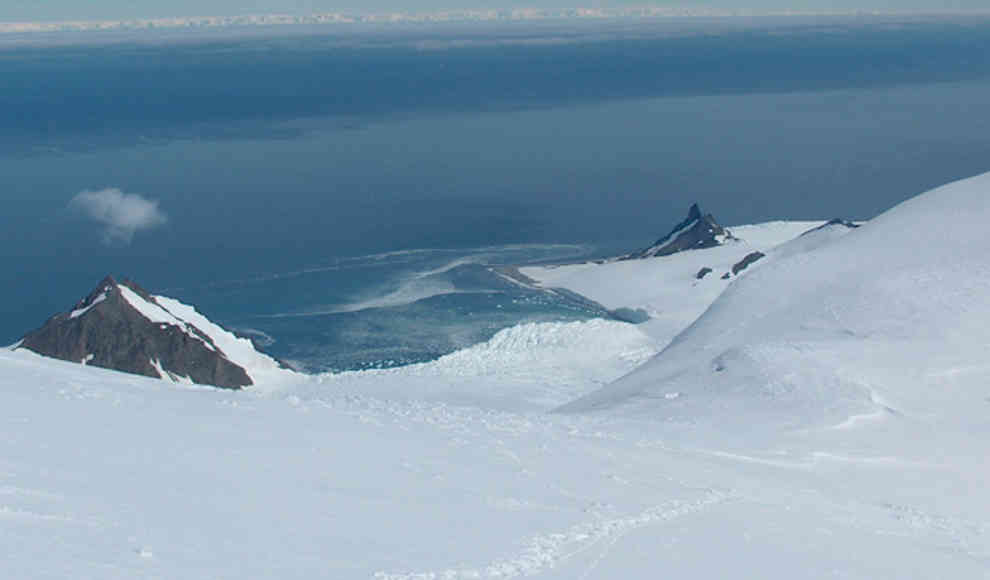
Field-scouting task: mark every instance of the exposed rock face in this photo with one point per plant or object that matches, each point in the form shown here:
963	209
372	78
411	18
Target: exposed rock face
833	222
702	273
695	232
746	262
120	326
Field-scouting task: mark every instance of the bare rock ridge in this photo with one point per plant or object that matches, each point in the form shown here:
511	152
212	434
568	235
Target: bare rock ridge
697	231
832	223
121	326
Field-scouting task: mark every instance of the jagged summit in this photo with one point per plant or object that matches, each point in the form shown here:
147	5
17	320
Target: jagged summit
121	326
697	231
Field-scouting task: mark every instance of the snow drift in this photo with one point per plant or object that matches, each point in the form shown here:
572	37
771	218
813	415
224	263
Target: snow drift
886	320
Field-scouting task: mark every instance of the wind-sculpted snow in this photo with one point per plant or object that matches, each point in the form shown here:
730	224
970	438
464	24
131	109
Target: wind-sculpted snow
875	320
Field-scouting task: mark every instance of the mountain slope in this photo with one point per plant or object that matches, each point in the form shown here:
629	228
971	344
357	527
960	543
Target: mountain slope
120	326
110	476
668	288
888	320
697	231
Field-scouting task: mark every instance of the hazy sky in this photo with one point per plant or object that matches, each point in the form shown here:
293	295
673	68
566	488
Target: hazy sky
107	9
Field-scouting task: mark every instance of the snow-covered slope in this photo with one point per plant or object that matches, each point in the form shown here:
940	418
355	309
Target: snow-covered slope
111	476
264	370
887	321
872	342
667	288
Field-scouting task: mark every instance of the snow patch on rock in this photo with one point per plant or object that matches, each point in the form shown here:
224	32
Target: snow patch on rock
158	314
81	311
264	370
170	376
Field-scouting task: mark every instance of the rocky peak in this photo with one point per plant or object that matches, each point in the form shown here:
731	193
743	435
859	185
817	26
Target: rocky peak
697	231
121	326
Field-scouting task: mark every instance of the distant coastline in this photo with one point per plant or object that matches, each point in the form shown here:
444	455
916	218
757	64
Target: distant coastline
10	27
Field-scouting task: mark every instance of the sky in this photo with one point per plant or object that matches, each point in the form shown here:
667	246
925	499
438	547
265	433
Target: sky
19	10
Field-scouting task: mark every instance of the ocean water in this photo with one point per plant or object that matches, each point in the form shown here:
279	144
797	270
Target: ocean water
343	195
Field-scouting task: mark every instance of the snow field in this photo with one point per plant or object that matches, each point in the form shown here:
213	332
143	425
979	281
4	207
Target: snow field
824	417
128	477
876	321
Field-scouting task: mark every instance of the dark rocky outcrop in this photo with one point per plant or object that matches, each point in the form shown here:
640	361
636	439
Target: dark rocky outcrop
697	231
746	262
833	222
702	273
106	330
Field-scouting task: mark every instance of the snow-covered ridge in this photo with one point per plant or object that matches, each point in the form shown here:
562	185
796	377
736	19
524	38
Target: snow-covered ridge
265	370
668	288
157	314
240	351
886	321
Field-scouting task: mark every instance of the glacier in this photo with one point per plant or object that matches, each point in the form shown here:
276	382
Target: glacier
823	414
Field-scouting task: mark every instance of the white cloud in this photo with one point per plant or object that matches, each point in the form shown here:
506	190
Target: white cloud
121	214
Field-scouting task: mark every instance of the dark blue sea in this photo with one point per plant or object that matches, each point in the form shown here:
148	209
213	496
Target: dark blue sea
342	194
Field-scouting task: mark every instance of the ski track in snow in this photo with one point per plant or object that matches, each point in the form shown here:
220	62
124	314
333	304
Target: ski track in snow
553	549
582	549
35	506
8	512
957	534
